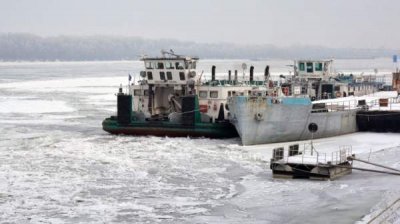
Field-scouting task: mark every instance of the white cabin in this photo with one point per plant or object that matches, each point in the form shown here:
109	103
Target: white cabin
169	70
308	69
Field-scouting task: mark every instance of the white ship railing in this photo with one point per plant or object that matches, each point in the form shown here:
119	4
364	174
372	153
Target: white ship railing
352	104
393	103
336	106
332	105
311	156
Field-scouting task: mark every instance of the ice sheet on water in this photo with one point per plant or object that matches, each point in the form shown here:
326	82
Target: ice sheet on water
33	106
85	177
98	85
60	167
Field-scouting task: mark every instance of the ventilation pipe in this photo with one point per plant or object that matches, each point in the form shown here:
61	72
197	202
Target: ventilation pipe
229	75
213	73
266	73
236	77
251	73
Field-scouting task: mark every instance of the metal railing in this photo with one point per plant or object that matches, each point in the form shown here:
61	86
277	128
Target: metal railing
372	104
310	156
335	106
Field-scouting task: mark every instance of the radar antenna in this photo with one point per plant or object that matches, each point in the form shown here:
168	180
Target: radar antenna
170	52
142	56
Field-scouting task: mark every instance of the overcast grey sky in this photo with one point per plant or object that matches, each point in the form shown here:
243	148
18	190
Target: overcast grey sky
334	23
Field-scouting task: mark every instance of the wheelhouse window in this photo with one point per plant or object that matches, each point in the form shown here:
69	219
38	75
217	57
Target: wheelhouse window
203	94
190	65
310	67
301	66
293	150
169	65
149	65
159	65
318	66
149	75
213	94
169	75
179	65
181	76
278	153
162	75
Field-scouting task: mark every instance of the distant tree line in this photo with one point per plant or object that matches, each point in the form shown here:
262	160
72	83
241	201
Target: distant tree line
29	47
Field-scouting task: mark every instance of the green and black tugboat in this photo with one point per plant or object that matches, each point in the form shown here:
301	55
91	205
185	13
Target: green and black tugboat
189	122
166	102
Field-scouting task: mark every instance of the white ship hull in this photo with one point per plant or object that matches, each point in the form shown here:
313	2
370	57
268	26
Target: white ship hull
265	120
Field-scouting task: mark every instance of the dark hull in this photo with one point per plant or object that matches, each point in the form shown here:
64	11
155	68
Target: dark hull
309	171
165	128
378	121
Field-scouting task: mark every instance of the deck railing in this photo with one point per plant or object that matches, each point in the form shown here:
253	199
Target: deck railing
353	104
375	103
309	155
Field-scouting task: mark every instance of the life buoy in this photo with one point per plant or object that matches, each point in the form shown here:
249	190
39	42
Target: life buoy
285	91
203	108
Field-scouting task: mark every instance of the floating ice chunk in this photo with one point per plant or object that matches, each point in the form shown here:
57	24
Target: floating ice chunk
72	85
33	106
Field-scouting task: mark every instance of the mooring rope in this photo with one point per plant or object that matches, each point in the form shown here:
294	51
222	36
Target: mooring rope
383	211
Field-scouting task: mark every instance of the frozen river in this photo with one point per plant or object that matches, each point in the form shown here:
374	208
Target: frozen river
58	166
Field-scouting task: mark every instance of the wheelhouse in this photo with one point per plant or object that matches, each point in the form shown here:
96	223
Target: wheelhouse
308	69
169	70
